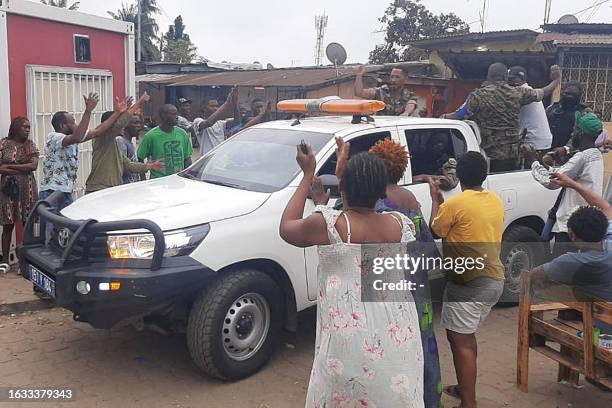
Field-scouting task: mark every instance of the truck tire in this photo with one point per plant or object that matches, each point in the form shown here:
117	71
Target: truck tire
234	323
522	249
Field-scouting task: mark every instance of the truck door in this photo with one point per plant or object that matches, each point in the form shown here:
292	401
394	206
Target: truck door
360	142
430	149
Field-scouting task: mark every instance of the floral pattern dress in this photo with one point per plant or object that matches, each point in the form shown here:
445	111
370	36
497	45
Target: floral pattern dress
367	354
17	210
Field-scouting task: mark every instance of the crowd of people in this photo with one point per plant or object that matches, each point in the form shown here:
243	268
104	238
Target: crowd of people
381	352
363	355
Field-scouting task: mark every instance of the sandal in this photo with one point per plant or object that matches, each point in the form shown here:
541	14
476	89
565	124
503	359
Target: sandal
453	391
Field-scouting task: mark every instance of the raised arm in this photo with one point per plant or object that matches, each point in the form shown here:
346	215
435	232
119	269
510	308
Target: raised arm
262	117
91	101
360	91
222	112
120	115
589	196
293	228
555	75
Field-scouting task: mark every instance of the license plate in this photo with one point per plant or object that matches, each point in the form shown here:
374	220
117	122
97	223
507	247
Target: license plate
41	280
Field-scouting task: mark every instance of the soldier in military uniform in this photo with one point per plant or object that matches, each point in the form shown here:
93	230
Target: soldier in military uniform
496	106
437	163
398	99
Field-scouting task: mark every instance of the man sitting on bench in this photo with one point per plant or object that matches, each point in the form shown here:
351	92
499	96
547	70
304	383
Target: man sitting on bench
588	270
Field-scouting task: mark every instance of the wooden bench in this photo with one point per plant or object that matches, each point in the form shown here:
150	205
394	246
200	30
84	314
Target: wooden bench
575	355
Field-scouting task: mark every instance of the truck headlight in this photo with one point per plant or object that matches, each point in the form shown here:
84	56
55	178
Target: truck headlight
141	246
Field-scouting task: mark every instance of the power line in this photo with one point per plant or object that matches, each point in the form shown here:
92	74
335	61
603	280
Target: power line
594	5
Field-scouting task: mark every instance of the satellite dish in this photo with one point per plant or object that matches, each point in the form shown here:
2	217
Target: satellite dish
568	19
336	54
269	66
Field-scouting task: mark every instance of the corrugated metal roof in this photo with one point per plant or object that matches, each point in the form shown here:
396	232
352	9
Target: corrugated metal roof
592	40
284	77
489	35
585	28
159	78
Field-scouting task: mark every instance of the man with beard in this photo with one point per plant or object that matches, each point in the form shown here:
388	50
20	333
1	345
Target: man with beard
398	99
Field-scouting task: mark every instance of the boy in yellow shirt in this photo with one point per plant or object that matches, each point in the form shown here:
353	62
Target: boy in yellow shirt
471	226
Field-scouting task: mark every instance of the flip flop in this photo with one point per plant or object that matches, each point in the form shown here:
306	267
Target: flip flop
453	391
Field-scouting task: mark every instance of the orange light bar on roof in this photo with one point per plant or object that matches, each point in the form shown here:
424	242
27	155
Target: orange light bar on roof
332	105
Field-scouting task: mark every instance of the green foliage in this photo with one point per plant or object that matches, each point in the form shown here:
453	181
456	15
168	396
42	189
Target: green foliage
61	4
129	12
177	44
408	20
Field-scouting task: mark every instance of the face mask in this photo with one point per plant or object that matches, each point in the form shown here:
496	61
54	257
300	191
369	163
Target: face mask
569	101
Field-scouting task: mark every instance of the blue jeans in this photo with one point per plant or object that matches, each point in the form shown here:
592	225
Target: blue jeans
56	208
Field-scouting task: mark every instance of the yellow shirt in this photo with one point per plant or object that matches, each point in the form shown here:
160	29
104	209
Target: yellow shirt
471	226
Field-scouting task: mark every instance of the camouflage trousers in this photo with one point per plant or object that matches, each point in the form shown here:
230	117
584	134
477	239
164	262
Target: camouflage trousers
501	145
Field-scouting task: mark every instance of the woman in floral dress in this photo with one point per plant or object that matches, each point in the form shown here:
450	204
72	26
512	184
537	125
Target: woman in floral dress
367	354
18	191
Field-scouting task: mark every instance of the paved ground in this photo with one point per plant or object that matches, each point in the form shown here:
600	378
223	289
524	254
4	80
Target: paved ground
125	367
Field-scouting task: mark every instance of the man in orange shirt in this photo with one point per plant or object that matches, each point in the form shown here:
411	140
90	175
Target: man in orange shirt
471	226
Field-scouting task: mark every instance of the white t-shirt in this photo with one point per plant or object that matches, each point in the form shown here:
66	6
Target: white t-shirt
533	118
587	168
211	136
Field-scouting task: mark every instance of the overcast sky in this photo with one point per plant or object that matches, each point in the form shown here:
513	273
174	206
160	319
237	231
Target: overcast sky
282	32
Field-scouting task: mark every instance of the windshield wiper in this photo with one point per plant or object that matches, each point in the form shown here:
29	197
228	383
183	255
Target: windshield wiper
225	184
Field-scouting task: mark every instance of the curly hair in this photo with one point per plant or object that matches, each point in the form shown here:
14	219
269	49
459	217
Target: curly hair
588	223
394	156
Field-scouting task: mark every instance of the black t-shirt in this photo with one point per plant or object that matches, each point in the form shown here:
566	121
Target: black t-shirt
561	121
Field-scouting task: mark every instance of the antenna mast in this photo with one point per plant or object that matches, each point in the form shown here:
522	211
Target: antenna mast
320	26
547	11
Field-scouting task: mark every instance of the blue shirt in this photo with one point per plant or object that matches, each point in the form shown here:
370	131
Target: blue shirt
587	271
60	165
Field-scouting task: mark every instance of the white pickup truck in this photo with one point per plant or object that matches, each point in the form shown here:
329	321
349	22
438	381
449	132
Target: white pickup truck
201	250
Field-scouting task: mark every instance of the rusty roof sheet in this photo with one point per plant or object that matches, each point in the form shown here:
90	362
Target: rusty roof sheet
489	35
590	40
283	77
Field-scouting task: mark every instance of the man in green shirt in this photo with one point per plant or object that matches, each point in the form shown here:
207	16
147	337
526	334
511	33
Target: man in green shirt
108	163
167	142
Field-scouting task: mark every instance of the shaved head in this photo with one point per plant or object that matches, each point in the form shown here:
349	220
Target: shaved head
168	114
497	72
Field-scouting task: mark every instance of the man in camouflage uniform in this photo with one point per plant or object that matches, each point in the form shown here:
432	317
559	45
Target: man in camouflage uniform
437	163
398	99
496	106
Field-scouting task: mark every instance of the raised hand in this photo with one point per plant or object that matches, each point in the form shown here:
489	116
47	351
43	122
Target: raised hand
362	70
434	189
307	162
562	180
91	101
555	72
318	193
124	105
342	154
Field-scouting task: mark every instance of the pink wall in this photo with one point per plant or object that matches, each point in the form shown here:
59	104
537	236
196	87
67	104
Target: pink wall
42	42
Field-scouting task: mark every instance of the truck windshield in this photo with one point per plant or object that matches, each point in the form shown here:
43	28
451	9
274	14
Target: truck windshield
261	160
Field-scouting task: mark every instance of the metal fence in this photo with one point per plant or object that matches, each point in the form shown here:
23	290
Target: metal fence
594	71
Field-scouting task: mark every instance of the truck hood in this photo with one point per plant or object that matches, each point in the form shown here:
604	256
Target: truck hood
172	202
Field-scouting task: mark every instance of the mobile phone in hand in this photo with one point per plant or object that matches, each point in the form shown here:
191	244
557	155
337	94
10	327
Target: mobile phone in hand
303	147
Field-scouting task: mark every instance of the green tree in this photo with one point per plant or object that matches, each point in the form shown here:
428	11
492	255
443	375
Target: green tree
177	44
408	20
129	12
61	3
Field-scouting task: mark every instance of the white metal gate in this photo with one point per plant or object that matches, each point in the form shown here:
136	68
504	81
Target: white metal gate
52	89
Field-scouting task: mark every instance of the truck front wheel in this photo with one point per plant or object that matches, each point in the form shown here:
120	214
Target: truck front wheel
522	250
233	324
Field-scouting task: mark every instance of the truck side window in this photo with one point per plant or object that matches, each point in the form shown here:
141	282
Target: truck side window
431	148
358	145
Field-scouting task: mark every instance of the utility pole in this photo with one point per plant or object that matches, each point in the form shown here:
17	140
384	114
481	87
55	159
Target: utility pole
139	44
320	26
